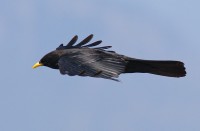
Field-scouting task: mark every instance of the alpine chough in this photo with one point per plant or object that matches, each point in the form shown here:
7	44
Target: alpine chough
85	59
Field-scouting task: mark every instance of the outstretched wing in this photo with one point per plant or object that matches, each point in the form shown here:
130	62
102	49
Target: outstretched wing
82	44
93	63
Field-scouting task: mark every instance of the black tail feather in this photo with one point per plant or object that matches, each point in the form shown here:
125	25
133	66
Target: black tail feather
164	68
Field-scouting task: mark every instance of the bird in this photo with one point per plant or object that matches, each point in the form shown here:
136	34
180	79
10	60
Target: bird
85	59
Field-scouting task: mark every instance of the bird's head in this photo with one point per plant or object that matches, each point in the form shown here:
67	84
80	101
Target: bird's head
49	60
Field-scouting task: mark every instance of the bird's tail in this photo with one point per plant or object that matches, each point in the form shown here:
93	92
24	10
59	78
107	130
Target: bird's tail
164	68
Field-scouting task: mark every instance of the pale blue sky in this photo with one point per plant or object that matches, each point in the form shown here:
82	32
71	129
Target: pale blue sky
44	100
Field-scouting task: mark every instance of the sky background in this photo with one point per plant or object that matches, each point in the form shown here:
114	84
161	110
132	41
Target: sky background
44	100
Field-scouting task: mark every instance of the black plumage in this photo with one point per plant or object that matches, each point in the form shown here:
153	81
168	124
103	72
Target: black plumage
85	59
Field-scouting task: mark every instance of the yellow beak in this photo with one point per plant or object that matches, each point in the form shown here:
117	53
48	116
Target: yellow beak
37	65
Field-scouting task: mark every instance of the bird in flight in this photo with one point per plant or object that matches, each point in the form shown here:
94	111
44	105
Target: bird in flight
85	59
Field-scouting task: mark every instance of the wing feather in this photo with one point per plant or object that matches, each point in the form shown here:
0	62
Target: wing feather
72	41
93	44
85	41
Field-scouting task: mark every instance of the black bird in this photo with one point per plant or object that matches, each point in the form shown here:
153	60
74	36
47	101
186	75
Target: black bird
82	60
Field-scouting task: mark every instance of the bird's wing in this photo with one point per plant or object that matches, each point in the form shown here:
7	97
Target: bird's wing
95	63
83	43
